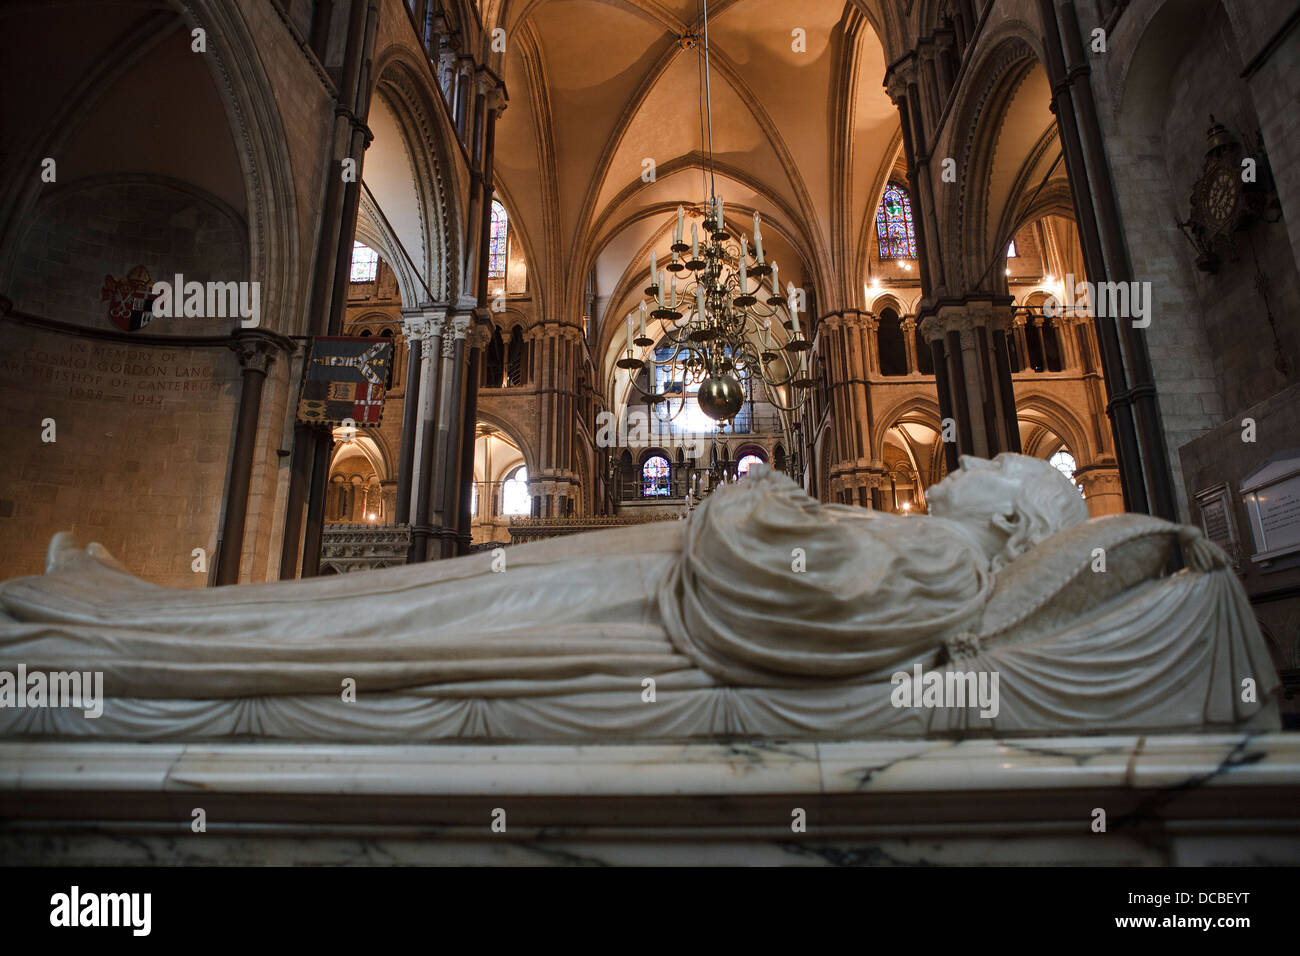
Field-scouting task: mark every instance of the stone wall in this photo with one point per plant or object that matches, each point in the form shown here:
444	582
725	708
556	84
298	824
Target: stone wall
92	229
1168	66
141	452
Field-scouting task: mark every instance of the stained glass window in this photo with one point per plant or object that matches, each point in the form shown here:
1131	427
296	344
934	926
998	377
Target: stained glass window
894	225
743	466
654	477
497	242
514	494
365	263
1011	249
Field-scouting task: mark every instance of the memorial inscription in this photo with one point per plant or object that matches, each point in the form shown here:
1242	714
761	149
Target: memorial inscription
1272	497
111	373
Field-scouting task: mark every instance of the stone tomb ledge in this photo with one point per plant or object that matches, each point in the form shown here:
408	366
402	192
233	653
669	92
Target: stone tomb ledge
1181	799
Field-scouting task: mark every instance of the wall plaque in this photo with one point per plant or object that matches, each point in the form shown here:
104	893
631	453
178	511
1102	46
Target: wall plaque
1215	505
1271	494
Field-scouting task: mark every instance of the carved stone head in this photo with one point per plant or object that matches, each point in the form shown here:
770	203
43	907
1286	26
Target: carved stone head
1011	503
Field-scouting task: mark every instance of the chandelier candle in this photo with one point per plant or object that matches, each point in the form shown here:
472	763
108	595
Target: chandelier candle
695	242
758	240
629	331
776	283
681	222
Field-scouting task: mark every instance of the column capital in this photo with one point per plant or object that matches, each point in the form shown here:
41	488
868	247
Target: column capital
414	327
899	76
460	323
256	348
965	315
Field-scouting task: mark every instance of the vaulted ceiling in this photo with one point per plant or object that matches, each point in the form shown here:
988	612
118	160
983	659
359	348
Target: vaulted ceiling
803	132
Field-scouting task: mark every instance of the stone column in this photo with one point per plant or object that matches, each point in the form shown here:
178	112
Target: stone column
256	350
1022	340
442	516
476	342
422	453
1101	487
908	325
414	328
338	226
557	345
980	392
845	340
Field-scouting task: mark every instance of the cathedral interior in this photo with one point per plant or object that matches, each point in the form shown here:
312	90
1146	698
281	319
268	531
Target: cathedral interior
438	235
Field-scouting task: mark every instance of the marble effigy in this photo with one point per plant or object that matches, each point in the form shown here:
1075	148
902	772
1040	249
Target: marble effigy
1004	612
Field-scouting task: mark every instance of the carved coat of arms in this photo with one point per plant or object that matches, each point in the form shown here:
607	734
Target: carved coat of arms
130	301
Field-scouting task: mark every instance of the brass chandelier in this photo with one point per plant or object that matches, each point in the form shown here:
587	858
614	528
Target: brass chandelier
717	317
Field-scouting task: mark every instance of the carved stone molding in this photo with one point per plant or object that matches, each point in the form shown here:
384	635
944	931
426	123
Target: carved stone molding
414	327
361	547
256	348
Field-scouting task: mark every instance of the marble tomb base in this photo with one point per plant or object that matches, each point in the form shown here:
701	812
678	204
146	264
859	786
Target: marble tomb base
1172	799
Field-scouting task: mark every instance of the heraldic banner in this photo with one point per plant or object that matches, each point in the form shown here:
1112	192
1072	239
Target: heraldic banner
345	378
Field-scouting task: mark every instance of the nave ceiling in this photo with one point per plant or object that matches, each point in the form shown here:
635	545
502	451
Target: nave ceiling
599	86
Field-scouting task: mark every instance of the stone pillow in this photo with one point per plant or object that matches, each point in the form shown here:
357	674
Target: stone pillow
1051	585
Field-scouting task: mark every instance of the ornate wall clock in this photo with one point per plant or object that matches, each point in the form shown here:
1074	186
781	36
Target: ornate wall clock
1223	202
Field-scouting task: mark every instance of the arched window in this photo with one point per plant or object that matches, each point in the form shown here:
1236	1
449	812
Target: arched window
745	463
1011	250
494	361
891	344
894	225
514	493
654	477
1063	462
1052	345
473	499
497	242
515	357
365	263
